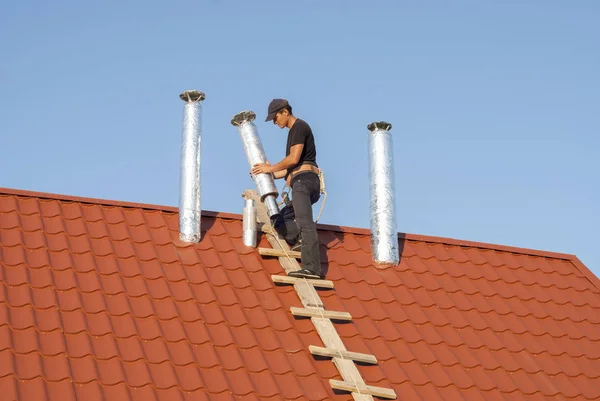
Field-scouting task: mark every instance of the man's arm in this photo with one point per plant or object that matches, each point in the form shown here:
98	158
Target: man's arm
279	168
279	174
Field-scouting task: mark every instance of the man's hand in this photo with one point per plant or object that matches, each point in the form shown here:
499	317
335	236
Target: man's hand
260	168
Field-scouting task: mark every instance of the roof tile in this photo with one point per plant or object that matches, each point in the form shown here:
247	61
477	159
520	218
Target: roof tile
54	224
238	278
96	229
162	236
29	206
450	335
251	263
191	275
585	386
45	207
8	203
431	334
167	253
154	219
211	379
11	220
227	295
14	237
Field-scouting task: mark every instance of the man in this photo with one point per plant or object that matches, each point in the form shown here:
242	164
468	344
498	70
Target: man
300	170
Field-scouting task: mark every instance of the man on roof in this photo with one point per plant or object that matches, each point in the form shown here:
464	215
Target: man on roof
301	172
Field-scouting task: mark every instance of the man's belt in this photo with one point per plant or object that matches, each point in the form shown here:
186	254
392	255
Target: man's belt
312	169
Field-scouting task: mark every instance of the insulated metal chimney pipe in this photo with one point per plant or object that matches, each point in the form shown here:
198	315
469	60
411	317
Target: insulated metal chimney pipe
384	235
189	168
265	184
249	224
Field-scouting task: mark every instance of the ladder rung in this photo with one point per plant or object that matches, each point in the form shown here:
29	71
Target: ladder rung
278	253
292	280
317	312
355	356
366	389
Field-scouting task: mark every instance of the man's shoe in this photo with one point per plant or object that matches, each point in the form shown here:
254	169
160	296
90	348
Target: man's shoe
304	273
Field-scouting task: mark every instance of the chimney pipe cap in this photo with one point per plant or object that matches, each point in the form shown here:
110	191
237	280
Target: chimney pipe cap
240	118
192	95
379	125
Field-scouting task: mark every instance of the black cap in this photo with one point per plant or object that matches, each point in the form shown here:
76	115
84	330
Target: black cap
275	106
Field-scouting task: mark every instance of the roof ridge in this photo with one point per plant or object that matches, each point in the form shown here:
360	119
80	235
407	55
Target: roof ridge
487	245
107	202
327	227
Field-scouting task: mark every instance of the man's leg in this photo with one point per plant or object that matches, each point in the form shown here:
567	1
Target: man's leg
286	226
305	192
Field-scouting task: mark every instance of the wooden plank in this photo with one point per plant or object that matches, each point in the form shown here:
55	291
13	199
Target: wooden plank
348	370
370	390
288	265
278	252
317	312
362	397
328	333
291	280
307	294
355	356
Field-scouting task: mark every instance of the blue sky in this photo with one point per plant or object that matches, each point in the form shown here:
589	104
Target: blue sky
494	105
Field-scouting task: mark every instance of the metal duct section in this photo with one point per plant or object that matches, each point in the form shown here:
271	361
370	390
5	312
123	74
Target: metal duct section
265	184
249	224
189	169
384	235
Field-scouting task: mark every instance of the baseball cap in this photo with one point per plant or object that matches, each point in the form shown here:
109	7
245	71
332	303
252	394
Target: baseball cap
275	106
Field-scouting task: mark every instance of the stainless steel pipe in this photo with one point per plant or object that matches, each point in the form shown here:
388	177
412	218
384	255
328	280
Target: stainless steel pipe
250	233
265	184
384	234
189	169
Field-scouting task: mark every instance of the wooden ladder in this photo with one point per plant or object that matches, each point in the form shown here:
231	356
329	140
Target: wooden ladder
320	317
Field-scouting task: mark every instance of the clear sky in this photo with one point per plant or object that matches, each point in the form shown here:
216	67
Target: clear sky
495	106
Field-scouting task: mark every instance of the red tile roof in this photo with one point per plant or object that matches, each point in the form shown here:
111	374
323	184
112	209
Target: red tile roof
100	301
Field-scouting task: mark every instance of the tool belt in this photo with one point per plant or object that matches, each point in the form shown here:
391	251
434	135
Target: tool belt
293	174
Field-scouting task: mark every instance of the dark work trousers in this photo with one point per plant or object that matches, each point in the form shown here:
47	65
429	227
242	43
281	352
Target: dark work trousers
297	222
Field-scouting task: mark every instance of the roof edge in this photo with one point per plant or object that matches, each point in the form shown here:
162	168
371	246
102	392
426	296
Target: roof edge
586	272
327	227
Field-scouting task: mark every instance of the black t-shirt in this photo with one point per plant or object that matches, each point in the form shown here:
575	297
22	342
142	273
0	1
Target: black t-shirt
300	133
